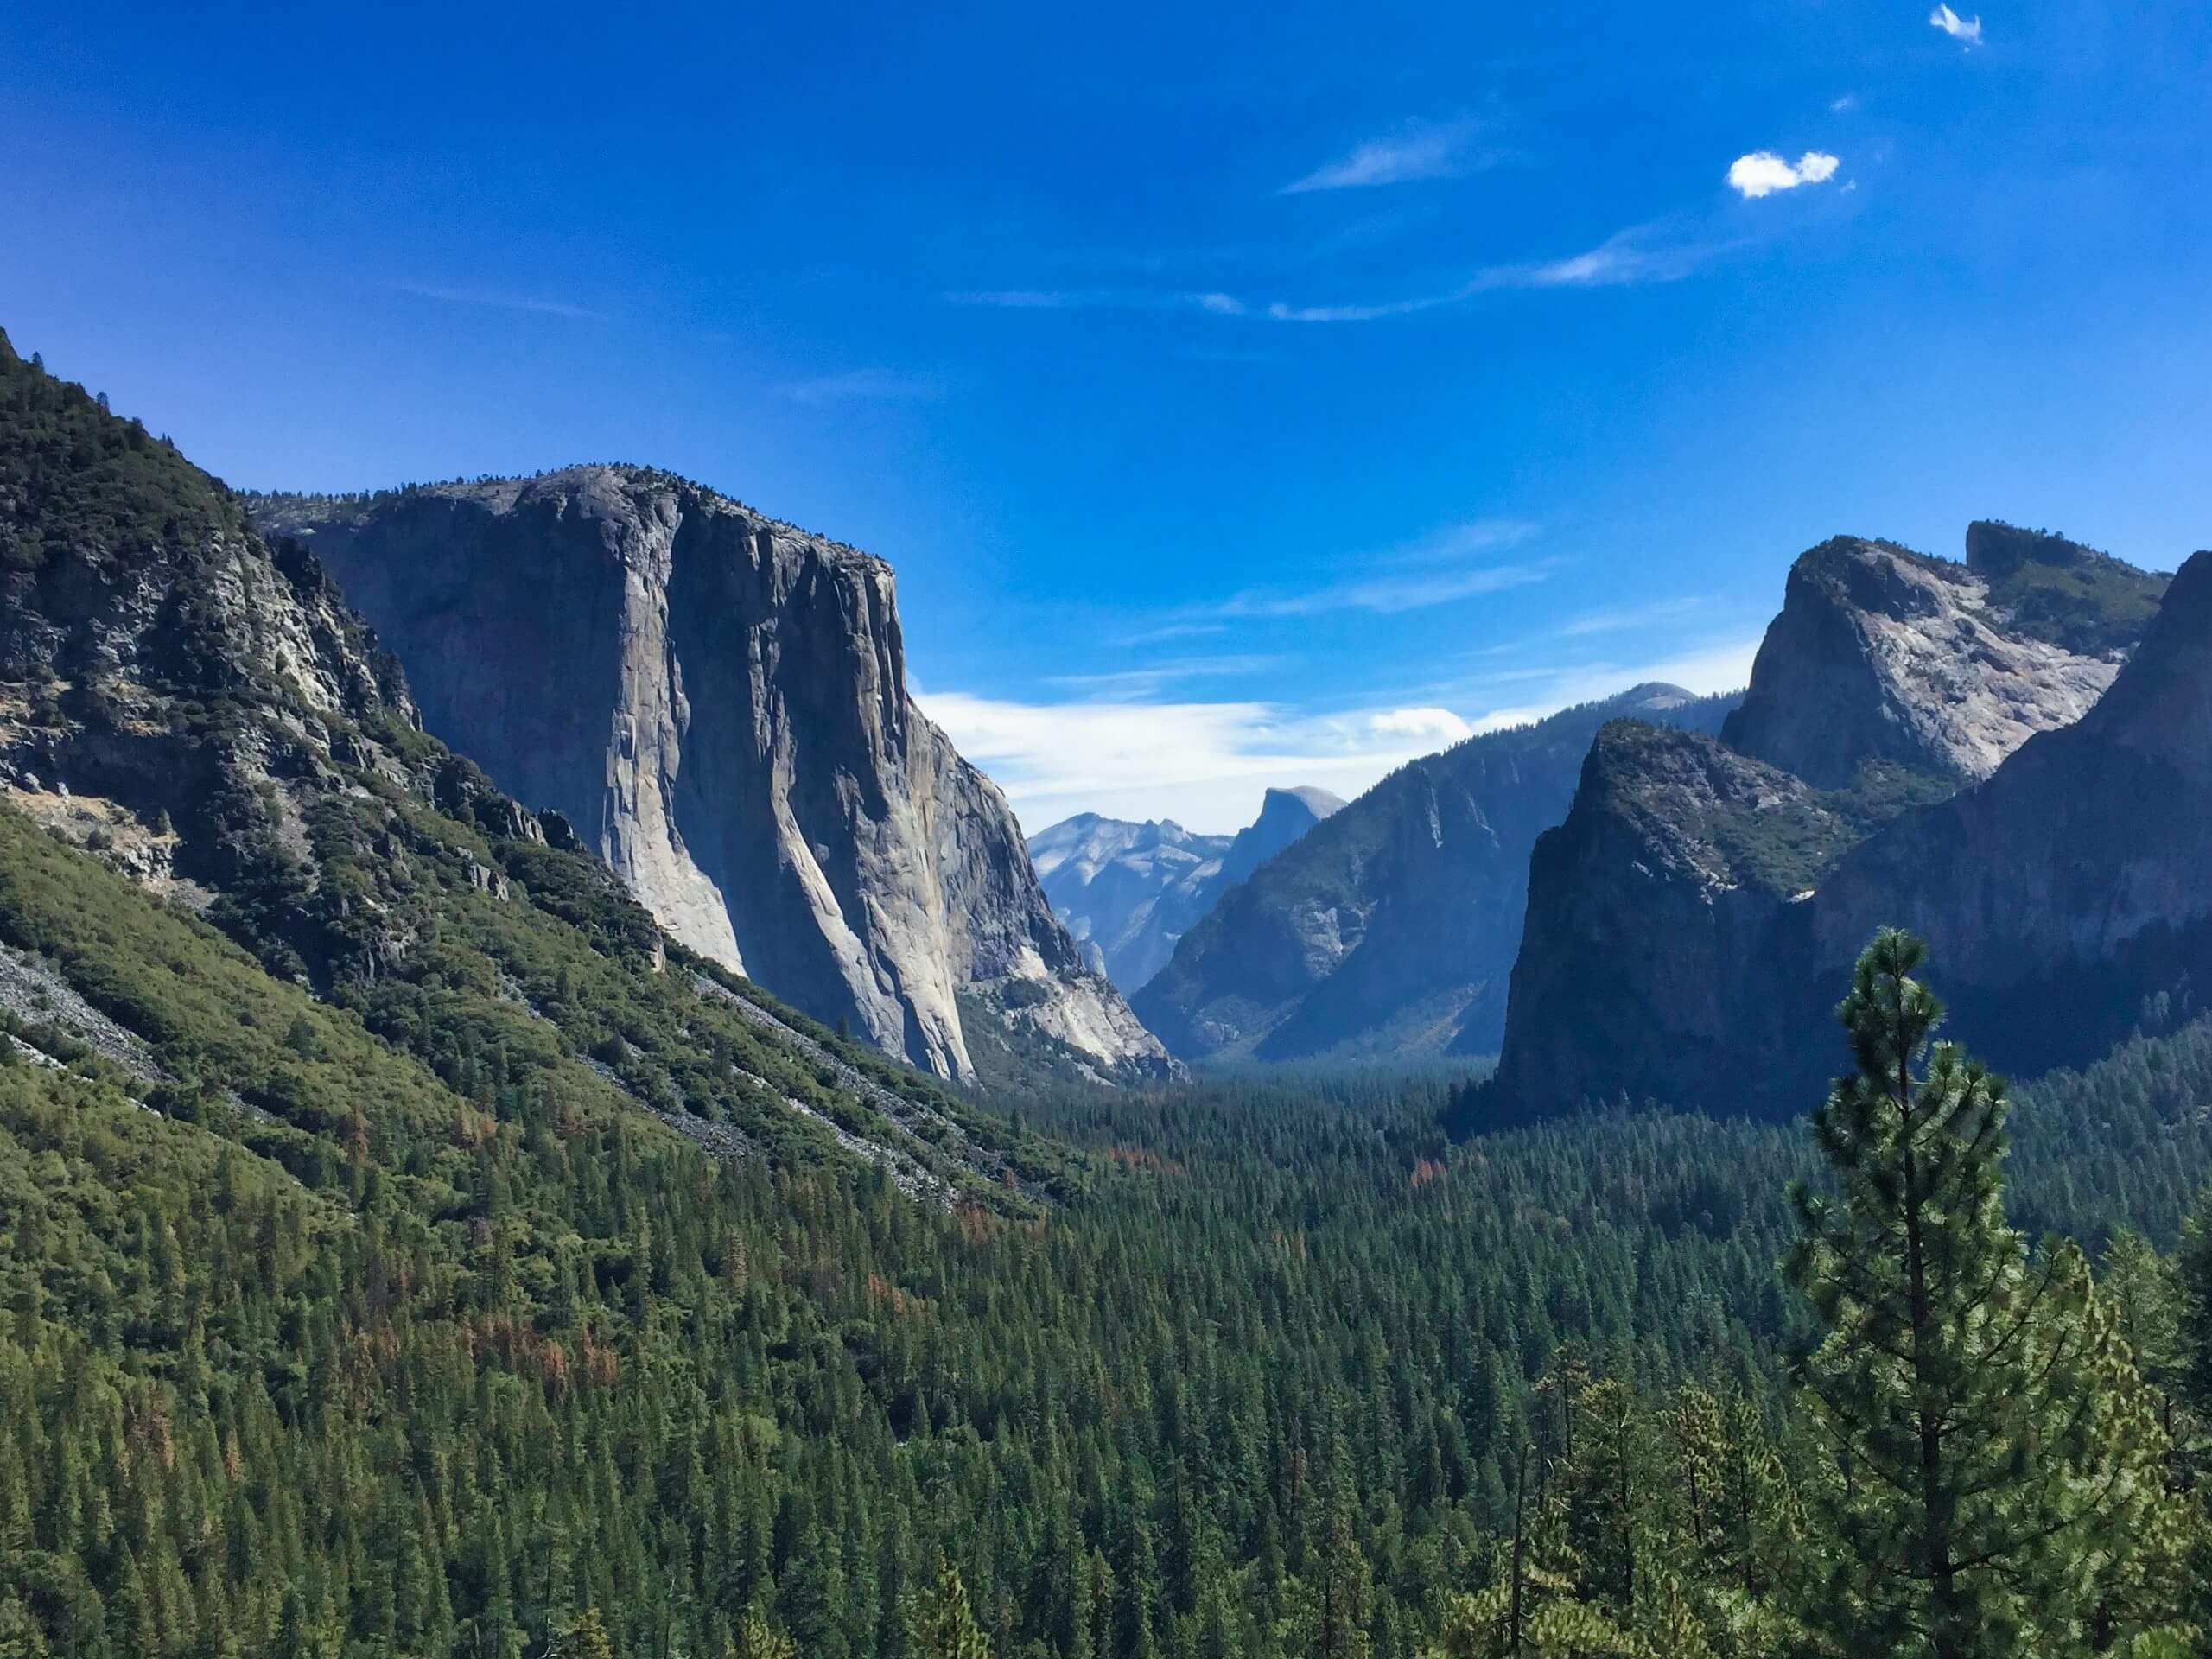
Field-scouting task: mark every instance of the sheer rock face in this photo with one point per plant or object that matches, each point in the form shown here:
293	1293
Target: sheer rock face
1650	912
1924	744
1388	931
2072	891
718	701
1884	654
1128	891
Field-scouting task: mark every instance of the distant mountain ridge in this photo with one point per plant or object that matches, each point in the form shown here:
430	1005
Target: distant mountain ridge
1388	931
1128	891
718	701
1980	751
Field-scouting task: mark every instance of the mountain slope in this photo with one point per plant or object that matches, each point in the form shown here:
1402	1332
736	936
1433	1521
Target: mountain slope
729	727
199	713
1130	890
1688	923
1389	930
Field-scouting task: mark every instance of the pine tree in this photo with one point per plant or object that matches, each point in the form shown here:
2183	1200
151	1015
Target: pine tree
1992	1458
943	1626
757	1639
586	1638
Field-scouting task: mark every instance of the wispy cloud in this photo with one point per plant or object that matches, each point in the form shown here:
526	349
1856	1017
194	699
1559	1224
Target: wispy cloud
1152	678
1432	571
1417	151
863	385
1763	172
498	299
1095	299
1168	631
1968	34
1843	105
1629	257
1387	595
1642	253
1623	617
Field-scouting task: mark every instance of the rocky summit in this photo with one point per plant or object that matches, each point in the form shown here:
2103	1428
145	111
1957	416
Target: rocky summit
719	702
1128	891
1923	743
1388	931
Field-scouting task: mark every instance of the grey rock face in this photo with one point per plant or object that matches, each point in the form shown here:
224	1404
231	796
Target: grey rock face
1924	744
1132	890
2071	892
1884	654
718	702
1388	931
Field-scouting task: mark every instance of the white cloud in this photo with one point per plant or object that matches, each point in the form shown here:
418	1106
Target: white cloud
1627	256
1416	151
1096	299
1627	616
1638	254
1438	724
1386	595
1152	678
863	385
1762	173
498	300
1956	27
1168	631
1845	105
1206	764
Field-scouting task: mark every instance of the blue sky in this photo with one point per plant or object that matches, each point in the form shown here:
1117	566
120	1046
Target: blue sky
1245	394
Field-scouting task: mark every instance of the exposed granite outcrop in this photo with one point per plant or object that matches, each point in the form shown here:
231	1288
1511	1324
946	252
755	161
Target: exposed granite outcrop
1389	930
1902	757
2071	892
1884	654
718	701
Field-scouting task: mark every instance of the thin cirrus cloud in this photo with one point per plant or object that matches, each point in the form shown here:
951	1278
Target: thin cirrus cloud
1763	172
498	299
863	386
1965	31
1624	259
1636	255
1153	678
1096	299
1628	616
1418	151
1430	572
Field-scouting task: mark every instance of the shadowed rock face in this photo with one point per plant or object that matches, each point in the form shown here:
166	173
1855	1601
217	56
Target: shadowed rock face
1387	932
1925	744
1129	892
719	702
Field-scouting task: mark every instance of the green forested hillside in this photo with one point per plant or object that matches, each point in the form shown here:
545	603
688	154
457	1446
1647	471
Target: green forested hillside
429	1370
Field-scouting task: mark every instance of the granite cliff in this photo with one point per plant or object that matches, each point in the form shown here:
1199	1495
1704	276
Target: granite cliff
1128	891
718	701
188	707
1690	922
1387	932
